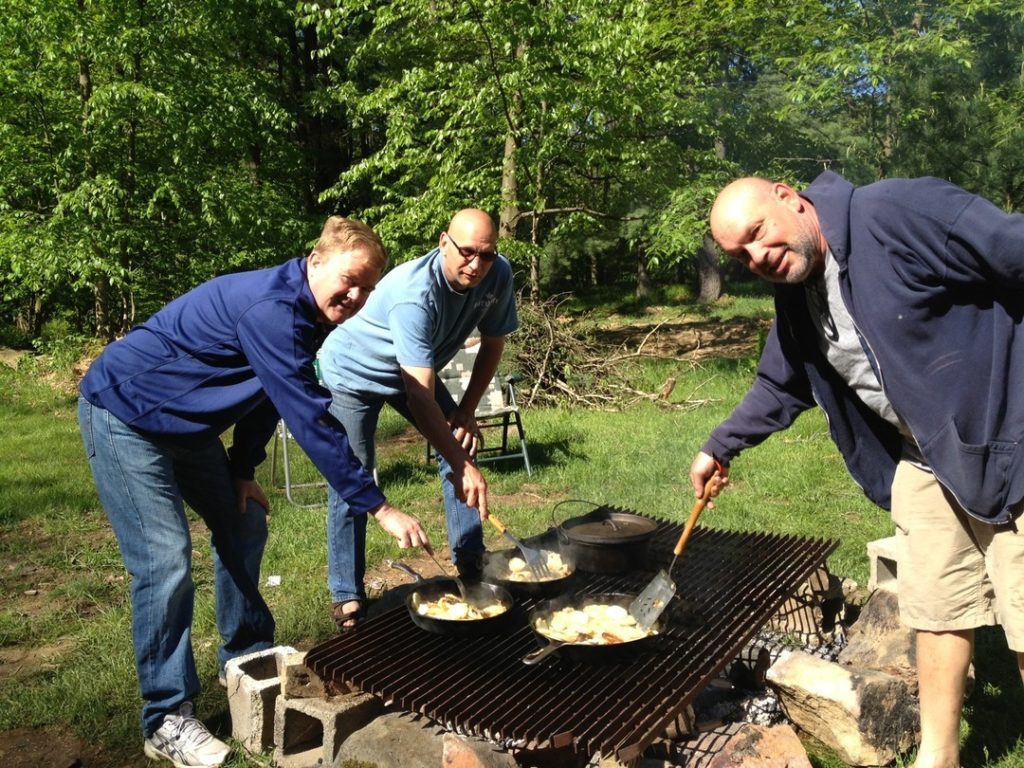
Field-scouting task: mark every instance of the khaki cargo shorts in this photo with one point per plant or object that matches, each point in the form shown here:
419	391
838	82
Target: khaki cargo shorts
954	572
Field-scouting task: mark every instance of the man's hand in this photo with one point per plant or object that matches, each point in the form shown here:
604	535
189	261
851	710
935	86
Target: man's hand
250	489
466	431
701	470
472	488
404	528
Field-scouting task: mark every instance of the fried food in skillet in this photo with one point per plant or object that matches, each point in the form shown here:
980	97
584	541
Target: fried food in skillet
593	624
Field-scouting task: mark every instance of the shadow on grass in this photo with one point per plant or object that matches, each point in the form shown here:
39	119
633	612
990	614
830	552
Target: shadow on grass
995	732
542	454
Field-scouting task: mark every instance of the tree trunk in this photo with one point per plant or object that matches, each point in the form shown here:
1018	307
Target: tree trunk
509	215
643	277
534	258
509	190
537	213
101	294
709	273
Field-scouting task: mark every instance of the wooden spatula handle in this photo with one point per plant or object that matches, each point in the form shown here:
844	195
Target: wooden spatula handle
497	523
698	507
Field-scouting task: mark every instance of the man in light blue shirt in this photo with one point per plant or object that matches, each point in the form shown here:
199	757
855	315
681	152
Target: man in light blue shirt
415	321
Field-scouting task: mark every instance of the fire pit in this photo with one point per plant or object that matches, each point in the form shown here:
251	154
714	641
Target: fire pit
730	584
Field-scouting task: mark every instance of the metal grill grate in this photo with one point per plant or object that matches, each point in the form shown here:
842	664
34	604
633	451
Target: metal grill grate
730	584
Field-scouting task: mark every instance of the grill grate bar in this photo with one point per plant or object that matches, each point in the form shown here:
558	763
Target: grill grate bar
729	586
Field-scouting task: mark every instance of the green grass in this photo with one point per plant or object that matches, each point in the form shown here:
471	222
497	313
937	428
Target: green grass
55	541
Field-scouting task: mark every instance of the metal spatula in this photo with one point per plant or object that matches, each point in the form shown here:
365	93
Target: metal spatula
458	582
535	559
649	604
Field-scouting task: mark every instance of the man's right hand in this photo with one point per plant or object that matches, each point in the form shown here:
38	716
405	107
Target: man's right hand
406	529
701	470
470	485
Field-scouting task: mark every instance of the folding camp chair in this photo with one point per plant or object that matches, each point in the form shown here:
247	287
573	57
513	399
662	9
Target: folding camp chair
284	437
497	408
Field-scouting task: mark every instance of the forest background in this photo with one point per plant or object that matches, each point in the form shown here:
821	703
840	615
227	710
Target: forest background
146	146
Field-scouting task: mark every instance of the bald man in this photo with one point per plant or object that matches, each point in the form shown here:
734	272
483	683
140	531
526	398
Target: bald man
899	309
419	316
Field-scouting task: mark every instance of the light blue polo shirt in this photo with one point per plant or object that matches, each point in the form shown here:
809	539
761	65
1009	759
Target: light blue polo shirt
414	318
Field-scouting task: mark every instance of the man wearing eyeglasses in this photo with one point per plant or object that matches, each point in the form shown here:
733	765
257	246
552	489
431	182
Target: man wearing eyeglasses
419	316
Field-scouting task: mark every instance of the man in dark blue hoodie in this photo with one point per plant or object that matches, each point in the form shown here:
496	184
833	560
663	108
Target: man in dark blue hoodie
238	351
899	311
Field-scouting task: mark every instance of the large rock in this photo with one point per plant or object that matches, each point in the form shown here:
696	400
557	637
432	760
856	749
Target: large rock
867	717
758	746
401	740
879	640
395	740
463	752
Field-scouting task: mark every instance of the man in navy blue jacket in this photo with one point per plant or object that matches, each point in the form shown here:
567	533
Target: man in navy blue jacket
236	351
899	310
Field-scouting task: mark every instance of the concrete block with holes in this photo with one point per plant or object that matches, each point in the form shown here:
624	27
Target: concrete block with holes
309	732
253	686
297	680
883	559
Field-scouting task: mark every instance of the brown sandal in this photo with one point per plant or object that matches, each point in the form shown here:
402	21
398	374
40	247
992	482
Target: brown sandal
348	620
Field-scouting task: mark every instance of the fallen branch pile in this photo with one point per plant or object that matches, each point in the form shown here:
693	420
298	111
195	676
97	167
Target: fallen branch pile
562	365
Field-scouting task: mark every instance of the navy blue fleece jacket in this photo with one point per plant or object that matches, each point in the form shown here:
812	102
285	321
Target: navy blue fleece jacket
933	277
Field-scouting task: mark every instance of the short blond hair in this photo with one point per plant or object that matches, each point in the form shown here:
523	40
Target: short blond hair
340	235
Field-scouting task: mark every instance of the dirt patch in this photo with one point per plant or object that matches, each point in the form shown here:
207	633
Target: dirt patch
17	662
54	747
28	584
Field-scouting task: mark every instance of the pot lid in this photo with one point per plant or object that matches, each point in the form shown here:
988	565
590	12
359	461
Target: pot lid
610	527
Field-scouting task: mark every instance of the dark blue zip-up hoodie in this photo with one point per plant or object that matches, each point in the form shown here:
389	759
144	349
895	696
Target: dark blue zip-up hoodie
237	350
933	277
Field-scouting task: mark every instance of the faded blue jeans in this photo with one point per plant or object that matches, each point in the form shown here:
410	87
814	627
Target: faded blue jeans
142	484
346	532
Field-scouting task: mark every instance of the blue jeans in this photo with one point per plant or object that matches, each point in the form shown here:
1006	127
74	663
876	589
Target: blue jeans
143	484
346	532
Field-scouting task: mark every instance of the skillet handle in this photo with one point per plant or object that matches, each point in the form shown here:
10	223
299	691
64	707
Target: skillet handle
698	507
542	653
406	569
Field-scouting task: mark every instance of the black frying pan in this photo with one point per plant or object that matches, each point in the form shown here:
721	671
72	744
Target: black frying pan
617	652
496	562
428	590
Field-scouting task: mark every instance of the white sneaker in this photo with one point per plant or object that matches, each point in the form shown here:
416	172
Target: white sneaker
184	740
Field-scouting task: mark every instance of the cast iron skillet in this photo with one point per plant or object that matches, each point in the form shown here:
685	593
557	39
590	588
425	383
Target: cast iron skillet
496	561
617	652
431	589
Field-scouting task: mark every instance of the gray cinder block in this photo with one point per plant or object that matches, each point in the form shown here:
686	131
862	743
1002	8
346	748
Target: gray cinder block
883	561
309	732
253	686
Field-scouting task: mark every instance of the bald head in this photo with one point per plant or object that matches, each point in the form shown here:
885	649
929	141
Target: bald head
768	227
469	246
473	223
733	203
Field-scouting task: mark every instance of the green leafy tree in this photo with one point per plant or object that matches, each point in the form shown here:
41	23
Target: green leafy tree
143	148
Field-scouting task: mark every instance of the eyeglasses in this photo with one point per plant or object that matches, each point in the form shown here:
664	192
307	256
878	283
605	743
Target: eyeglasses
469	254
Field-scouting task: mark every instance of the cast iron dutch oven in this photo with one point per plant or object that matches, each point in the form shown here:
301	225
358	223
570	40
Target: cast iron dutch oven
495	562
427	590
606	540
612	652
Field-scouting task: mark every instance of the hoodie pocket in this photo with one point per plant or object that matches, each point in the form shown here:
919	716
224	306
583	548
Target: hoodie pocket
976	473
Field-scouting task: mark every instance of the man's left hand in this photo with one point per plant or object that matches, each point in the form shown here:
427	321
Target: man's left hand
250	489
466	431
